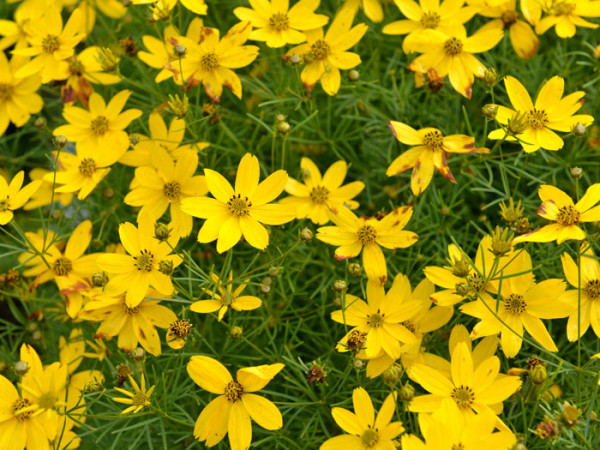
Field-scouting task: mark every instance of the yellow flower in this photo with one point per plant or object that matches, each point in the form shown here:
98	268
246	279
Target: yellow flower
18	96
559	207
353	234
365	431
232	213
14	30
277	24
566	14
317	195
149	262
101	130
231	411
43	195
210	62
224	297
14	195
50	45
325	54
178	333
551	111
432	151
138	399
162	8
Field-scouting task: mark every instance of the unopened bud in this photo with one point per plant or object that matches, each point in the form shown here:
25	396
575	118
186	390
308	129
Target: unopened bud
305	235
358	363
60	142
578	129
354	269
180	50
40	122
570	414
161	231
340	286
274	271
501	241
577	172
512	212
490	77
179	106
236	332
407	392
21	368
138	354
99	279
283	128
108	193
166	266
489	111
295	59
264	288
353	75
280	118
134	140
538	374
391	376
93	386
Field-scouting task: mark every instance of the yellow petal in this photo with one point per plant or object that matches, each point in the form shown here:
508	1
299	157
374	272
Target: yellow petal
209	374
263	411
255	378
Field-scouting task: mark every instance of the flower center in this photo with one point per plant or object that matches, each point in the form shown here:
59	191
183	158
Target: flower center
209	62
320	49
370	437
130	310
145	261
537	119
592	289
567	215
356	341
463	396
50	43
366	234
375	320
19	405
509	18
6	92
279	21
319	194
453	46
430	20
563	8
180	328
233	391
238	205
140	399
99	125
172	190
433	140
515	304
62	266
87	167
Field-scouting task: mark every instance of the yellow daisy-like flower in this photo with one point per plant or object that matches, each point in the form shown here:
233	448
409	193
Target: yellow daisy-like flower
451	53
566	15
223	297
149	262
100	130
431	152
559	207
138	399
14	195
13	29
233	213
353	234
551	111
365	431
43	195
325	54
318	194
178	333
277	25
18	96
231	411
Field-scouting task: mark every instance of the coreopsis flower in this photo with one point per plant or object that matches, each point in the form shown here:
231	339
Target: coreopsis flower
138	399
325	54
451	53
522	304
443	16
14	195
565	15
223	297
381	318
50	45
365	431
18	96
210	62
318	194
240	211
13	29
43	195
558	207
231	411
551	111
164	185
178	333
431	151
100	130
353	234
277	24
470	389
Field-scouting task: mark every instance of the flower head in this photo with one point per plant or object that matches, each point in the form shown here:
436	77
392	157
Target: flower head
138	399
14	195
565	15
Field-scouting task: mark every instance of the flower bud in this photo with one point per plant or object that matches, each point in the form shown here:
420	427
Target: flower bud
316	373
107	59
538	374
166	266
354	269
358	363
511	213
570	414
180	50
501	241
274	271
305	235
236	332
517	124
295	59
161	231
93	386
407	392
340	286
391	376
280	118
60	142
283	128
134	140
99	279
21	368
264	288
578	129
138	354
179	106
353	75
576	172
490	77
40	122
489	111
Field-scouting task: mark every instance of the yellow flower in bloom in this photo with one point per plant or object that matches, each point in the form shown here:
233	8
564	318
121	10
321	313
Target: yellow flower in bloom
277	24
325	54
210	62
318	194
165	6
551	111
431	151
365	431
178	333
522	303
565	15
149	262
18	96
50	45
451	54
353	234
43	195
443	16
14	30
232	213
138	399
14	195
559	207
223	297
161	137
101	129
165	185
380	319
231	411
